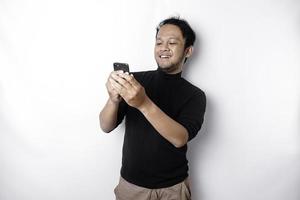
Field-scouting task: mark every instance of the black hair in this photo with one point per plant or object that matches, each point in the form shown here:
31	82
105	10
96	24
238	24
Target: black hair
186	30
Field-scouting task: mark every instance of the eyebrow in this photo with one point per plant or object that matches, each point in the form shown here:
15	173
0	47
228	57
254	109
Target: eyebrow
171	38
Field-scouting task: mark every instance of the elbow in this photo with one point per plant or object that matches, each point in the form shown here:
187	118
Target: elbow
106	129
181	139
105	126
180	143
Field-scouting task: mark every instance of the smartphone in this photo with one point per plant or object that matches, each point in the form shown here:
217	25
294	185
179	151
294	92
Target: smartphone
121	66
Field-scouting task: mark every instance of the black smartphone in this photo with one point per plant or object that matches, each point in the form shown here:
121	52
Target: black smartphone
121	66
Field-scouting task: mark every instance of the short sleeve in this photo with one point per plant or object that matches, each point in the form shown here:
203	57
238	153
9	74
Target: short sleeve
191	115
122	110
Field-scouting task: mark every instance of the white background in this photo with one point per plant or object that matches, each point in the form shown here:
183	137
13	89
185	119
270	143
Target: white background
55	57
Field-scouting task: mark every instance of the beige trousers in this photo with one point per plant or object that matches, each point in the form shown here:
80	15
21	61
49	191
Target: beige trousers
128	191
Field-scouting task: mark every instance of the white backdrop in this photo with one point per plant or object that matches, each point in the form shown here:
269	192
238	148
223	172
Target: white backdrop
55	57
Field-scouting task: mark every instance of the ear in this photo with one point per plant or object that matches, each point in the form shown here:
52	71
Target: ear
189	51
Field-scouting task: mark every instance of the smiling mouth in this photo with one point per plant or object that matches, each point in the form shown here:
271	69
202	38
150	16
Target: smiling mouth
164	56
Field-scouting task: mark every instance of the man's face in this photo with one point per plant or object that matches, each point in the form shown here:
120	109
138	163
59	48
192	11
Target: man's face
169	49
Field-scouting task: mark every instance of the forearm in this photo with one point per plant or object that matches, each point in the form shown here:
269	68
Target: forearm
171	130
108	116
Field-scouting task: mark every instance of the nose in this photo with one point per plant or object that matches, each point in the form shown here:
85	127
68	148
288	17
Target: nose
165	47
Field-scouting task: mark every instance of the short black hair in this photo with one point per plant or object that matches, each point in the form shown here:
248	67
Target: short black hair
186	30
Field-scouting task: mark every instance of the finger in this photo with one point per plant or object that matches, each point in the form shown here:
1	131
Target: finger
116	73
130	78
122	81
119	72
115	85
111	89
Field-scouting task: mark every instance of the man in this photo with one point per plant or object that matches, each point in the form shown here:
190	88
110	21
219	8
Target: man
163	112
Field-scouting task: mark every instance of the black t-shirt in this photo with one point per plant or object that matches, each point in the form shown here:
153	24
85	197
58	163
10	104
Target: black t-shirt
149	160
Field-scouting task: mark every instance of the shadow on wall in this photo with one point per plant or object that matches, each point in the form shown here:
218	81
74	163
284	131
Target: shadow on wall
194	61
5	127
296	4
1	109
197	150
198	145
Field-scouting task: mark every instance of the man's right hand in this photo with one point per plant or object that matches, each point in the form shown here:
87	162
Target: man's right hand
109	113
113	94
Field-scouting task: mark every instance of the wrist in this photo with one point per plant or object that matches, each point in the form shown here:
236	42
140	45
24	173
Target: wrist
146	107
113	102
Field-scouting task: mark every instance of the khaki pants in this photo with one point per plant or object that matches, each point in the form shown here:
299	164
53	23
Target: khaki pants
128	191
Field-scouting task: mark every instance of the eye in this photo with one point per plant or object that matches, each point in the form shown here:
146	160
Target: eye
158	43
172	42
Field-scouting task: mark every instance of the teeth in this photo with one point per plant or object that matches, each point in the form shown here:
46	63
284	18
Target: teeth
164	56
